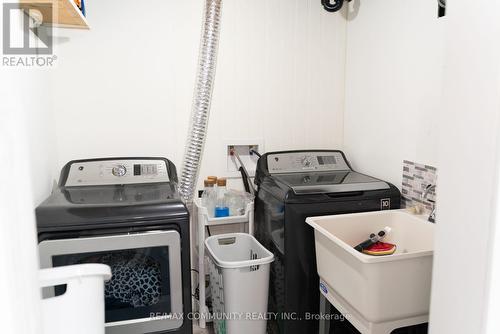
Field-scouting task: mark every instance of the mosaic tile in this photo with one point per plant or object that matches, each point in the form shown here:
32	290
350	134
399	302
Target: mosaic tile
415	178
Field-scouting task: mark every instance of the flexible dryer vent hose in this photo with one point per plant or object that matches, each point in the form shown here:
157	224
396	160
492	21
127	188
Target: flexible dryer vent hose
202	99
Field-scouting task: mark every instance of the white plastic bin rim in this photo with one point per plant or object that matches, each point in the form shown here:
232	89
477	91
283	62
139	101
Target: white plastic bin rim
213	247
61	275
315	222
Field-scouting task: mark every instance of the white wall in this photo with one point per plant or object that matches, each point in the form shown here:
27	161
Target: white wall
393	85
280	78
492	321
26	173
469	168
18	252
40	131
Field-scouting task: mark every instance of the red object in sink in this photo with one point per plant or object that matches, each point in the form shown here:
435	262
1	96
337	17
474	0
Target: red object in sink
380	248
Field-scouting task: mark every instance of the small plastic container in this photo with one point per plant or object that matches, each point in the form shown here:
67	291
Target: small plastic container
209	195
239	281
221	206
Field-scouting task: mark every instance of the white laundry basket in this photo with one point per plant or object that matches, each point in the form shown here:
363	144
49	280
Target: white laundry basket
80	310
239	280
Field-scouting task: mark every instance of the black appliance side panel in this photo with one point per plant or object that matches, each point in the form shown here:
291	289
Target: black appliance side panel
301	280
181	226
269	229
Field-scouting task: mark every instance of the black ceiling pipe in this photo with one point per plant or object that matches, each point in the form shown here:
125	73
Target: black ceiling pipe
332	7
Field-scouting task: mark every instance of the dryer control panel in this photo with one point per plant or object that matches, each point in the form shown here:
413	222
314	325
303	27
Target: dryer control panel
300	162
111	172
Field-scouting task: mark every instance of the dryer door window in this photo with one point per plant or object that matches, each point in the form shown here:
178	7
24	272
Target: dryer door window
146	279
140	284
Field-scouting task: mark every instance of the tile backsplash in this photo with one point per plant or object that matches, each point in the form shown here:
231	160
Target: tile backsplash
415	178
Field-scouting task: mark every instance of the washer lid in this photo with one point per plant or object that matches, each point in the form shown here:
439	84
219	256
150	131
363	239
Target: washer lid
330	182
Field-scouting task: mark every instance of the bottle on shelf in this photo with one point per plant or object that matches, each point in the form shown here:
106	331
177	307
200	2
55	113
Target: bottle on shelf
209	196
237	202
221	205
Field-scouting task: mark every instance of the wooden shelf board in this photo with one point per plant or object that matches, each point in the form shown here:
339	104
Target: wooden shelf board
65	13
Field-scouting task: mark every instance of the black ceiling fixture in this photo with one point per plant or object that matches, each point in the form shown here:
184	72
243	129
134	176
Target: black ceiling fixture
332	7
441	8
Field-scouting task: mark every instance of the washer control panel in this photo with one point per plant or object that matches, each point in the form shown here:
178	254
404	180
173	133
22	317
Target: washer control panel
299	162
110	172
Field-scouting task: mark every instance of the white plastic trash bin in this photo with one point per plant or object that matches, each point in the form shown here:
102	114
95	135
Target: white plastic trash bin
239	281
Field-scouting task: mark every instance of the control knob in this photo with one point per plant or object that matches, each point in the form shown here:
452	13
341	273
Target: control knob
119	170
306	161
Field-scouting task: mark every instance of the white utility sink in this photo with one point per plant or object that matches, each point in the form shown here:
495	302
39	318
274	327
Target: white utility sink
378	293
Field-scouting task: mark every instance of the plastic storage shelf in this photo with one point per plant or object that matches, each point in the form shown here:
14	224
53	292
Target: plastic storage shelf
202	221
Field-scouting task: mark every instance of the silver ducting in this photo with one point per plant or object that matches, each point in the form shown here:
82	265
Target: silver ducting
202	99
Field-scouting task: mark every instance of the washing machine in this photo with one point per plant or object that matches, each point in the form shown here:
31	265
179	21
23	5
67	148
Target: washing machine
126	213
293	185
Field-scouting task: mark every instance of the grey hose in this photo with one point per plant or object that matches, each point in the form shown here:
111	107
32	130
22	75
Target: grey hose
202	98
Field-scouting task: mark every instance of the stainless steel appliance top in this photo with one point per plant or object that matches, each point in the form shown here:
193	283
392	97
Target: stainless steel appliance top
314	172
116	171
